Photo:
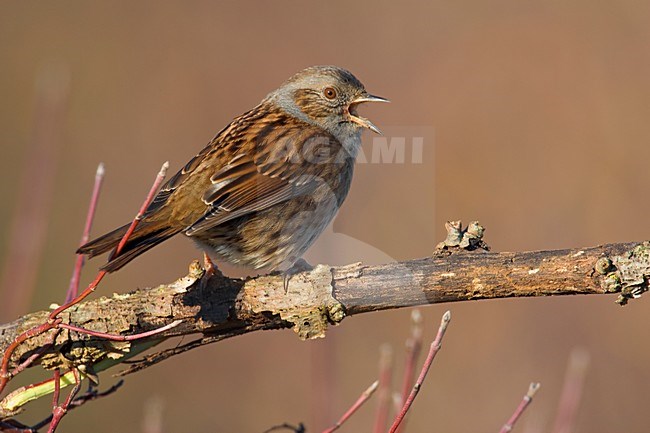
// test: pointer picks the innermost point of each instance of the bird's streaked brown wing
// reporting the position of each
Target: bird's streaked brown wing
(177, 180)
(280, 158)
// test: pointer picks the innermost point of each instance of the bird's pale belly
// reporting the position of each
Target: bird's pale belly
(272, 238)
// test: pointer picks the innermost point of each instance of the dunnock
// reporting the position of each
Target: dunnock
(262, 191)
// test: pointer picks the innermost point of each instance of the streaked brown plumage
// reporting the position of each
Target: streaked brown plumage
(262, 191)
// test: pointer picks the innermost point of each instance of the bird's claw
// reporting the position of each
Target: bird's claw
(299, 266)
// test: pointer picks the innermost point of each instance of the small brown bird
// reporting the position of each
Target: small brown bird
(262, 191)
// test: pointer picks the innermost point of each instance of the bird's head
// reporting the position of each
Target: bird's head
(327, 96)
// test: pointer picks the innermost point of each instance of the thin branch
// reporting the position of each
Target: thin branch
(152, 193)
(57, 389)
(532, 389)
(71, 294)
(413, 349)
(384, 394)
(357, 404)
(433, 351)
(113, 337)
(90, 216)
(60, 411)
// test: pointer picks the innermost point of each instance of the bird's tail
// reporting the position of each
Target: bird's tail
(145, 236)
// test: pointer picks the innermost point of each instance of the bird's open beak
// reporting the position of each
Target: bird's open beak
(362, 121)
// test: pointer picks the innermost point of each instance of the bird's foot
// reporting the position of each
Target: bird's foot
(209, 266)
(299, 266)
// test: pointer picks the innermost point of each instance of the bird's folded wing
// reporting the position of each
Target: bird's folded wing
(241, 190)
(282, 163)
(272, 157)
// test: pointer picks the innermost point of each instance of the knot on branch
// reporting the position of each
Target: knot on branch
(627, 274)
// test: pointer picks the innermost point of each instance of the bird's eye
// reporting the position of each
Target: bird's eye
(329, 92)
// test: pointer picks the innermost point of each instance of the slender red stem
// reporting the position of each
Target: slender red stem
(384, 394)
(114, 337)
(77, 380)
(59, 411)
(152, 193)
(357, 404)
(532, 389)
(57, 389)
(433, 350)
(413, 349)
(83, 295)
(73, 289)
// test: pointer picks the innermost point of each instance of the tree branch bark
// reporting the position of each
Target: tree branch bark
(216, 307)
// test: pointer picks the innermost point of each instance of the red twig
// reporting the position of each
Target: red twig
(143, 208)
(59, 411)
(92, 207)
(532, 389)
(433, 350)
(57, 389)
(357, 404)
(384, 394)
(53, 322)
(121, 337)
(571, 391)
(413, 349)
(73, 288)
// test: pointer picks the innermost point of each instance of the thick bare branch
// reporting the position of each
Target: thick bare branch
(218, 307)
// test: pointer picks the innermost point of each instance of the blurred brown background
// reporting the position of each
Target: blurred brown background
(534, 118)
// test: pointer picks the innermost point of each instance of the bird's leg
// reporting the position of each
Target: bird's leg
(209, 266)
(299, 266)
